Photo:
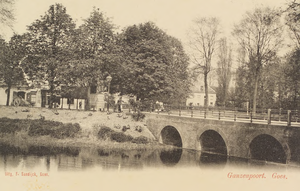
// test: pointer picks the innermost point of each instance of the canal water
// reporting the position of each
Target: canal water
(50, 166)
(80, 159)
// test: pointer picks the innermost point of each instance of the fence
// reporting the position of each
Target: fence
(269, 116)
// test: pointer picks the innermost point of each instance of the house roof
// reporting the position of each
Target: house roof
(200, 89)
(198, 86)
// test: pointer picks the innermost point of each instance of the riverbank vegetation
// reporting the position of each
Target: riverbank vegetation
(54, 133)
(27, 126)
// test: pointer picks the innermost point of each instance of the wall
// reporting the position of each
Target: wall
(3, 96)
(236, 135)
(198, 99)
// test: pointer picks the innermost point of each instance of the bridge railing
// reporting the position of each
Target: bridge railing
(275, 116)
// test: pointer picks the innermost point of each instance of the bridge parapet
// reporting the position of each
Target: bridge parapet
(233, 138)
(269, 116)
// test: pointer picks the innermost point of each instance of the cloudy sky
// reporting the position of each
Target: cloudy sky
(173, 16)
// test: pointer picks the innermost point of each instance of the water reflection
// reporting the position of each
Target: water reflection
(119, 159)
(79, 159)
(10, 150)
(211, 159)
(170, 157)
(6, 149)
(52, 151)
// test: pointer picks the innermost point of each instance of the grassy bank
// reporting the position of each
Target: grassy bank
(21, 139)
(41, 132)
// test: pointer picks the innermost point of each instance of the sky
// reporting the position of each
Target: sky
(173, 16)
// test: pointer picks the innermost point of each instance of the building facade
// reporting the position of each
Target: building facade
(197, 97)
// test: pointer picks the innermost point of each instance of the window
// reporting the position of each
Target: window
(93, 89)
(33, 98)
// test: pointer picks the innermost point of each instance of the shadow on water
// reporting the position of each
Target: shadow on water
(68, 158)
(120, 159)
(6, 149)
(170, 157)
(212, 160)
(52, 151)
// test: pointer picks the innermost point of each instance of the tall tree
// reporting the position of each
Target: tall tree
(203, 36)
(93, 48)
(241, 94)
(292, 77)
(224, 71)
(259, 35)
(292, 20)
(49, 39)
(268, 88)
(10, 57)
(6, 14)
(155, 64)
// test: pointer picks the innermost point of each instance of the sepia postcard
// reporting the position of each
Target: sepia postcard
(149, 95)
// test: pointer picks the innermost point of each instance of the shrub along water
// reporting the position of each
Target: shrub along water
(106, 133)
(59, 130)
(13, 125)
(39, 127)
(140, 140)
(120, 137)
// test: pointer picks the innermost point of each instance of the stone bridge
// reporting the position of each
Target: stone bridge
(275, 143)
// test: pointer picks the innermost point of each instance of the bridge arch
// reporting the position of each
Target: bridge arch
(268, 148)
(212, 141)
(169, 135)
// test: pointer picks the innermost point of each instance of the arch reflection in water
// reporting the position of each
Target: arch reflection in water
(211, 159)
(170, 157)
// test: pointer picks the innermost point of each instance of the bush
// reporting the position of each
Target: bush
(105, 132)
(12, 125)
(35, 130)
(66, 130)
(140, 140)
(120, 137)
(42, 127)
(138, 116)
(53, 128)
(39, 127)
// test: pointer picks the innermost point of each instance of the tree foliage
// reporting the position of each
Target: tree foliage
(224, 71)
(154, 64)
(10, 57)
(291, 89)
(93, 45)
(292, 20)
(48, 47)
(6, 14)
(259, 35)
